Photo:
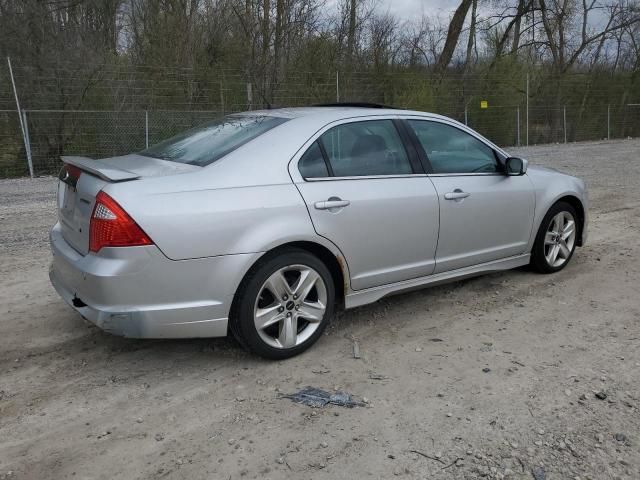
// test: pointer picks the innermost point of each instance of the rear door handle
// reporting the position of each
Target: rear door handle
(457, 194)
(331, 204)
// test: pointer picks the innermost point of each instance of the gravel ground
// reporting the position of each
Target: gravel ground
(494, 377)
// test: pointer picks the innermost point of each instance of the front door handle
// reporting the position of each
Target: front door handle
(457, 194)
(332, 204)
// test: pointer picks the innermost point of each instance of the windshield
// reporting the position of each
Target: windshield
(209, 142)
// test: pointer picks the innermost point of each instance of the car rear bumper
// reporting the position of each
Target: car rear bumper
(138, 292)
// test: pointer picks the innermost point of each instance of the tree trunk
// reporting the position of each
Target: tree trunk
(453, 34)
(277, 44)
(351, 35)
(472, 34)
(516, 28)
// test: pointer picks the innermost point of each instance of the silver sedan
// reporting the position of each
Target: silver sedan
(263, 223)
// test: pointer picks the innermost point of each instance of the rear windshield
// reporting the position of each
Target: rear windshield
(209, 142)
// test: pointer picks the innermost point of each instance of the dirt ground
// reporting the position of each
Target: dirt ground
(78, 403)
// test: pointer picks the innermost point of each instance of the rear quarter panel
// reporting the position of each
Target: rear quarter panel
(206, 222)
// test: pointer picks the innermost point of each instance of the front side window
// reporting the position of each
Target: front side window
(451, 150)
(210, 142)
(371, 147)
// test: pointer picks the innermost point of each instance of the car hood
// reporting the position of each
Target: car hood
(539, 168)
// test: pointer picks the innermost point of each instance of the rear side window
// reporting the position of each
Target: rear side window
(371, 147)
(451, 150)
(312, 164)
(210, 142)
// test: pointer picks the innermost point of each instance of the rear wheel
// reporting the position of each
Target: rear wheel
(556, 239)
(283, 305)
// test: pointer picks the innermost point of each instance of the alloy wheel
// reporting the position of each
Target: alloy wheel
(290, 306)
(560, 239)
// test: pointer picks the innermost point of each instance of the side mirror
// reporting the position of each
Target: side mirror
(515, 166)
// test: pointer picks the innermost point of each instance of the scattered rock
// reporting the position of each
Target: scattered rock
(486, 369)
(159, 437)
(538, 473)
(418, 349)
(620, 437)
(280, 460)
(567, 392)
(601, 395)
(356, 349)
(324, 444)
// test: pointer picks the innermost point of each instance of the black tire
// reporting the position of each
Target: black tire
(538, 260)
(241, 320)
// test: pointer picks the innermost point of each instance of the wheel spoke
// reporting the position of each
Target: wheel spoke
(549, 238)
(569, 230)
(563, 249)
(305, 284)
(277, 284)
(288, 332)
(559, 223)
(312, 312)
(553, 254)
(266, 317)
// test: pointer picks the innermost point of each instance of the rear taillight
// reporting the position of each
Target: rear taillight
(111, 226)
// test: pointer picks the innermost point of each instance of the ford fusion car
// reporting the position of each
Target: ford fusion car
(263, 223)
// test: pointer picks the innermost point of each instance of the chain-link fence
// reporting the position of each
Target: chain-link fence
(135, 108)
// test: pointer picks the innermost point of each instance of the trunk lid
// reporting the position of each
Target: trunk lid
(82, 178)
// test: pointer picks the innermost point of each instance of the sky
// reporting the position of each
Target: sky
(407, 9)
(414, 9)
(410, 9)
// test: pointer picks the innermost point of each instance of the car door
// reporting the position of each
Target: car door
(365, 191)
(485, 215)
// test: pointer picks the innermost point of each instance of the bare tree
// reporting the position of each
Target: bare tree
(453, 34)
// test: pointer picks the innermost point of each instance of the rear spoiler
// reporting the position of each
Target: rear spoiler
(100, 169)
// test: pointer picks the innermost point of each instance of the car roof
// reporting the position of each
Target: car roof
(329, 113)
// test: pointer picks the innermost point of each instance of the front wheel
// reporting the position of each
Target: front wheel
(556, 239)
(283, 305)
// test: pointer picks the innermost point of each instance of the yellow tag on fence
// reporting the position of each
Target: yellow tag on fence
(484, 104)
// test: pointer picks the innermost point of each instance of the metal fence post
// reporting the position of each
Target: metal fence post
(222, 98)
(466, 116)
(146, 129)
(527, 134)
(337, 86)
(25, 139)
(27, 143)
(249, 96)
(518, 125)
(564, 122)
(608, 122)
